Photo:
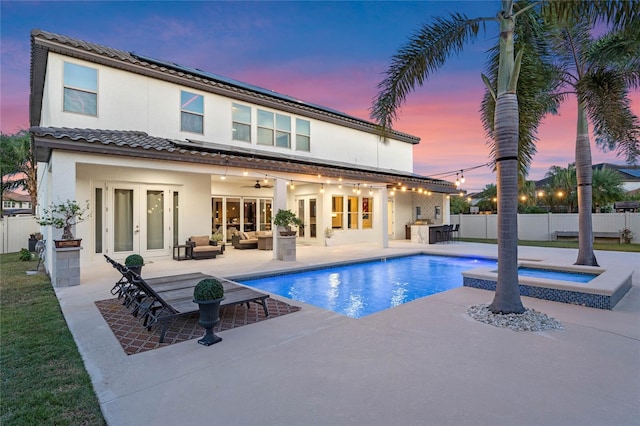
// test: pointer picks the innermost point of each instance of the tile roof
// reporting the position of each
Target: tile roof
(140, 144)
(211, 82)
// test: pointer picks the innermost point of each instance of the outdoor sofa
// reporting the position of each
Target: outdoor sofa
(249, 240)
(203, 248)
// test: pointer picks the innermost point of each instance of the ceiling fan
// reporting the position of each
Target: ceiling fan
(258, 185)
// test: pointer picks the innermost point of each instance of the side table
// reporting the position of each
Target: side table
(181, 252)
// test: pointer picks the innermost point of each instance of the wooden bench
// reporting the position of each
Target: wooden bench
(573, 235)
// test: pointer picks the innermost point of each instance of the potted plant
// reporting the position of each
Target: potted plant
(64, 216)
(134, 262)
(328, 233)
(208, 294)
(284, 219)
(217, 237)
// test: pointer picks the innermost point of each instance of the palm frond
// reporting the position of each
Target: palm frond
(417, 60)
(615, 13)
(616, 127)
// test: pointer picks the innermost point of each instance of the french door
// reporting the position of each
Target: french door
(308, 212)
(141, 219)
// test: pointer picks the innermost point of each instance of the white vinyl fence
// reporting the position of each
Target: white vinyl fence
(542, 227)
(15, 231)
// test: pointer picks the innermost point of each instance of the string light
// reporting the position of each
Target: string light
(322, 188)
(462, 176)
(457, 180)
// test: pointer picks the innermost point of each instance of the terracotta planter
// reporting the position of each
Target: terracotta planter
(67, 243)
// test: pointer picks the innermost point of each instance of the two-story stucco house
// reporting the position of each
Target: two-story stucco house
(162, 152)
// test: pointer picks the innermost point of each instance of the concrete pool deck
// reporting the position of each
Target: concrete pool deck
(424, 363)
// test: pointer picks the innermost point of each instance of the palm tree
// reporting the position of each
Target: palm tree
(413, 64)
(600, 73)
(607, 188)
(425, 53)
(563, 185)
(16, 158)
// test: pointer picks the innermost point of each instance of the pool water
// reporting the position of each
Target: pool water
(361, 289)
(575, 277)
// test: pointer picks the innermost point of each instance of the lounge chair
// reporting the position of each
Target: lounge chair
(160, 300)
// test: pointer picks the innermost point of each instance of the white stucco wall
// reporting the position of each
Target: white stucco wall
(128, 101)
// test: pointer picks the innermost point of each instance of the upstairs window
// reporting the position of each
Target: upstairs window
(80, 89)
(241, 126)
(283, 131)
(303, 135)
(191, 112)
(265, 127)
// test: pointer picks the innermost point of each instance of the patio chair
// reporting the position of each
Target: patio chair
(455, 232)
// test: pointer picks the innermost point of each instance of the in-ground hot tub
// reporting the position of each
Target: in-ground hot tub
(603, 291)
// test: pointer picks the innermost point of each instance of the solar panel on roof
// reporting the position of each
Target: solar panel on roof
(227, 80)
(632, 172)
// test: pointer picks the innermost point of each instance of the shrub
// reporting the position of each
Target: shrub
(208, 289)
(25, 255)
(134, 260)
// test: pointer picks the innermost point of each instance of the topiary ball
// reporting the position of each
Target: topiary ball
(134, 260)
(208, 289)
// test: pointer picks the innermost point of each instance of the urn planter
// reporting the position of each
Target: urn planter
(209, 317)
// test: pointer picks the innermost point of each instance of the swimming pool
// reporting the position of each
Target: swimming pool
(361, 289)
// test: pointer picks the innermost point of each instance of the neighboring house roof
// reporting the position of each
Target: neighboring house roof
(16, 196)
(42, 42)
(141, 145)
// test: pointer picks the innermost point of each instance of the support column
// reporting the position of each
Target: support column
(65, 271)
(279, 202)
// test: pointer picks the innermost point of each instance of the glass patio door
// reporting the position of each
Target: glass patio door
(308, 212)
(141, 220)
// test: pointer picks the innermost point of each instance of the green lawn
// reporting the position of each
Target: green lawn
(563, 244)
(43, 378)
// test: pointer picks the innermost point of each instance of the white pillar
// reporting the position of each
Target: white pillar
(279, 202)
(384, 199)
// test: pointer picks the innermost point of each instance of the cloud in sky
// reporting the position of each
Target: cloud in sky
(328, 53)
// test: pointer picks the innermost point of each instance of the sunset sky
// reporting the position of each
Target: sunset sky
(328, 53)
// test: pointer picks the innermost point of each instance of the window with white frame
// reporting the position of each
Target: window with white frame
(337, 211)
(283, 131)
(353, 212)
(303, 135)
(367, 212)
(265, 127)
(191, 112)
(241, 127)
(80, 89)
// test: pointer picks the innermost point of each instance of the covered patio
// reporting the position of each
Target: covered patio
(424, 362)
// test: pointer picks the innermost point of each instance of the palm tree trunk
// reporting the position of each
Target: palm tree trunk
(584, 175)
(507, 298)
